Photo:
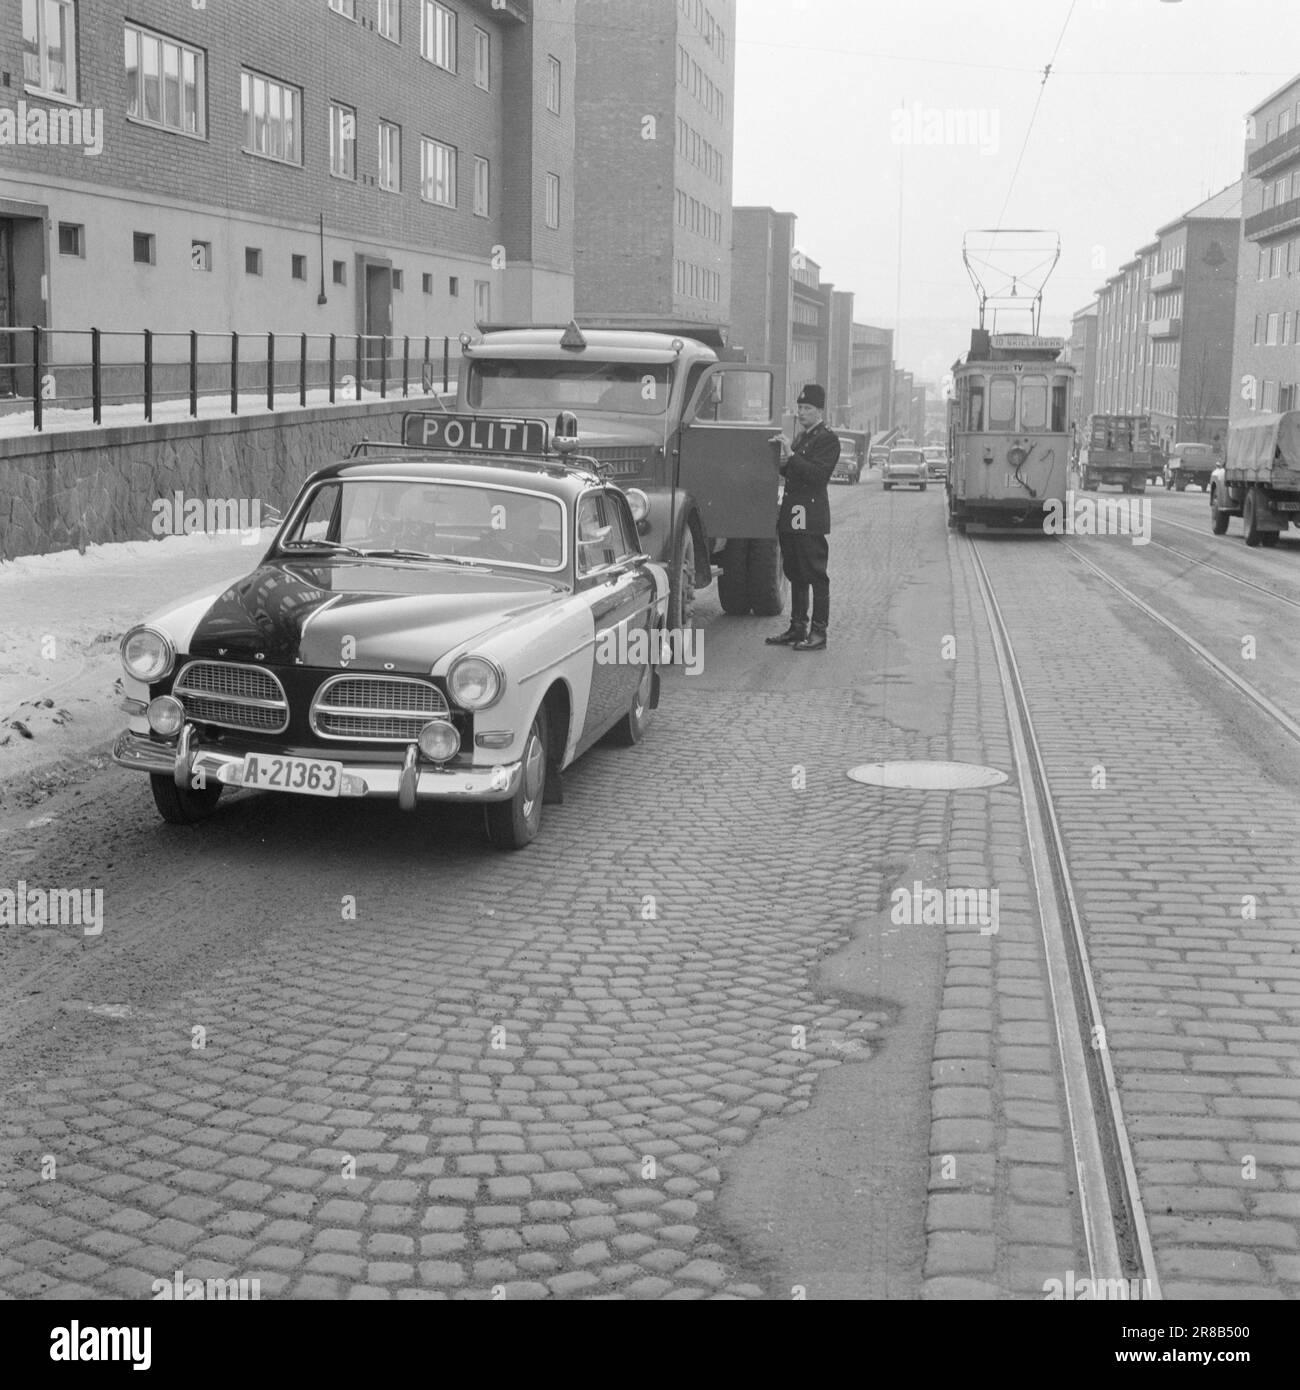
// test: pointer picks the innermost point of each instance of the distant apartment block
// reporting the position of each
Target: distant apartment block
(348, 166)
(1266, 339)
(1164, 325)
(872, 374)
(655, 119)
(1083, 358)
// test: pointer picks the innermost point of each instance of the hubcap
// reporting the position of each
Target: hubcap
(534, 767)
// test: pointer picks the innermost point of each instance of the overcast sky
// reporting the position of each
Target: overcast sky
(1141, 117)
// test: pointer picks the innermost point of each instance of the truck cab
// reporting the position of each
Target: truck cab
(688, 435)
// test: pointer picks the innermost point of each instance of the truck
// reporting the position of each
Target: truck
(1118, 449)
(688, 435)
(1260, 478)
(1190, 463)
(853, 454)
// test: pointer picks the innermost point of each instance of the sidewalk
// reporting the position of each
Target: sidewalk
(61, 617)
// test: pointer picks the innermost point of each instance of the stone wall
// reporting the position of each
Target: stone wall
(68, 490)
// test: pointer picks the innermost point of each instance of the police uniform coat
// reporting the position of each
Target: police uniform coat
(807, 472)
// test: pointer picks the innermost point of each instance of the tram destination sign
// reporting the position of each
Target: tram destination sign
(474, 434)
(1026, 342)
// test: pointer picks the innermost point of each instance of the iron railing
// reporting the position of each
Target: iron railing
(40, 372)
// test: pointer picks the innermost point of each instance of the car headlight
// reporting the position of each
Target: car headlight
(147, 655)
(475, 682)
(639, 502)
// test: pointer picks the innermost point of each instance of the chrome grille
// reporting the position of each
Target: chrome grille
(234, 697)
(376, 709)
(622, 461)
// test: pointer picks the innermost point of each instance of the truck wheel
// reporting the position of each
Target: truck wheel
(183, 805)
(681, 594)
(1250, 518)
(766, 580)
(733, 582)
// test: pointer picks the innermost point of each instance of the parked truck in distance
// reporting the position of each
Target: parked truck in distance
(689, 437)
(1190, 463)
(1260, 481)
(1118, 450)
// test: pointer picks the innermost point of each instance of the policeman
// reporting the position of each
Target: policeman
(805, 520)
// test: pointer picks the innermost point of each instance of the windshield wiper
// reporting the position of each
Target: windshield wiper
(418, 555)
(321, 545)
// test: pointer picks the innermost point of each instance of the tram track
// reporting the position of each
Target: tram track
(1118, 1241)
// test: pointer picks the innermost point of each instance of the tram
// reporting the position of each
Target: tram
(1009, 428)
(1009, 431)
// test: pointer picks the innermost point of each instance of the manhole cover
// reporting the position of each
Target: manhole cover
(923, 776)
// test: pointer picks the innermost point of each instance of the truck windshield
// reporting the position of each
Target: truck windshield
(622, 388)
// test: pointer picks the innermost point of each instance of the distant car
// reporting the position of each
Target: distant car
(878, 456)
(849, 467)
(425, 627)
(936, 461)
(904, 466)
(1190, 463)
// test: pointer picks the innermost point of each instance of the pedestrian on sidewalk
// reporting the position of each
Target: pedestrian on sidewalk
(805, 521)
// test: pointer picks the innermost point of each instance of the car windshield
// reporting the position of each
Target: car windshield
(907, 456)
(462, 523)
(580, 385)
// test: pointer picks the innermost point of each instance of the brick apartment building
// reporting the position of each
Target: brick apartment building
(655, 121)
(871, 400)
(782, 313)
(1082, 356)
(1165, 322)
(432, 141)
(1266, 339)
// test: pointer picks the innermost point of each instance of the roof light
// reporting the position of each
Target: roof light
(573, 341)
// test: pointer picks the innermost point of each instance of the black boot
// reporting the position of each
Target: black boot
(796, 632)
(815, 641)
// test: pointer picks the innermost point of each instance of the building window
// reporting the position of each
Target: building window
(453, 286)
(272, 118)
(552, 200)
(390, 157)
(50, 47)
(398, 280)
(1270, 331)
(298, 267)
(438, 35)
(426, 282)
(142, 247)
(1274, 262)
(347, 8)
(437, 172)
(164, 82)
(1261, 268)
(200, 255)
(343, 141)
(1286, 330)
(553, 84)
(72, 239)
(340, 272)
(482, 58)
(482, 182)
(482, 301)
(252, 260)
(389, 19)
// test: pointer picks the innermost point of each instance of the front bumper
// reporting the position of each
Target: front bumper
(407, 782)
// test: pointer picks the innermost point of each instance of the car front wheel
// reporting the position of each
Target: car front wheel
(183, 805)
(513, 824)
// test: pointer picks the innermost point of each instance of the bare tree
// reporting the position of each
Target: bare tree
(1204, 400)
